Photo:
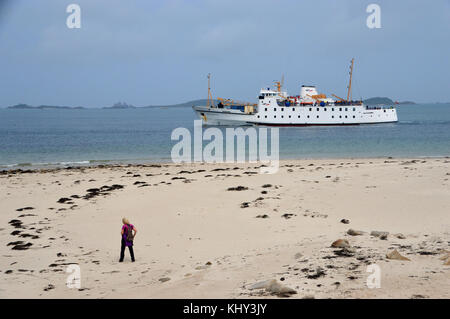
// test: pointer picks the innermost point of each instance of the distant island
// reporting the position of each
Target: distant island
(43, 107)
(124, 105)
(378, 101)
(120, 105)
(384, 101)
(186, 104)
(406, 102)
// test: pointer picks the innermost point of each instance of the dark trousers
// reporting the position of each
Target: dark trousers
(122, 251)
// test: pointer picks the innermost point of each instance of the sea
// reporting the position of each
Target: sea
(59, 137)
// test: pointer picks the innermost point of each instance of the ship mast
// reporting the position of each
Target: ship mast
(210, 99)
(350, 82)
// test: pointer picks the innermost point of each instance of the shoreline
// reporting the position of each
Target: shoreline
(217, 230)
(37, 168)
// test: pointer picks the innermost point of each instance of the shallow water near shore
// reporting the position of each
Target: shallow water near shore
(30, 138)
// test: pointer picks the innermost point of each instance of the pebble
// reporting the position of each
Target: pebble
(164, 279)
(274, 287)
(353, 232)
(380, 234)
(340, 243)
(395, 255)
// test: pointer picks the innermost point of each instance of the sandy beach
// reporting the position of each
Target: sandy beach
(214, 231)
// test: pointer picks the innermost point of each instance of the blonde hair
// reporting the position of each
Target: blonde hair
(125, 220)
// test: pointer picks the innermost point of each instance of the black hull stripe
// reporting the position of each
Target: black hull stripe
(312, 124)
(218, 112)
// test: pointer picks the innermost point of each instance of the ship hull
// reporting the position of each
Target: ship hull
(298, 116)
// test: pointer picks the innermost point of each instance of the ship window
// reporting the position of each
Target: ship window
(258, 116)
(325, 109)
(293, 109)
(340, 116)
(317, 109)
(265, 116)
(282, 116)
(265, 109)
(310, 109)
(299, 116)
(332, 109)
(353, 116)
(317, 116)
(289, 116)
(354, 109)
(346, 109)
(275, 109)
(274, 116)
(308, 116)
(384, 111)
(332, 117)
(282, 109)
(340, 109)
(346, 116)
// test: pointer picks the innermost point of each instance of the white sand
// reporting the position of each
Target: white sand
(182, 226)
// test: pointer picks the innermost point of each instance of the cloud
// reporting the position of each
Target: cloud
(155, 52)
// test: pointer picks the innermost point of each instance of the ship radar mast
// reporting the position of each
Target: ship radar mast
(349, 92)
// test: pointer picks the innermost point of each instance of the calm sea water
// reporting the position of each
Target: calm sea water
(69, 137)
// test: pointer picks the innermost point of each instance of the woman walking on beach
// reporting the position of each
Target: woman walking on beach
(127, 239)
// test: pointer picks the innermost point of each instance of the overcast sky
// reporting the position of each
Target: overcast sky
(159, 52)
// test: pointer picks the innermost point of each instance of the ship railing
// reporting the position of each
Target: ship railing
(318, 104)
(380, 107)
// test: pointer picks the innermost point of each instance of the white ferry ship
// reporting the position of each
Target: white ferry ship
(276, 108)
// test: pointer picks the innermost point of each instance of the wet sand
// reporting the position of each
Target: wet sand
(214, 231)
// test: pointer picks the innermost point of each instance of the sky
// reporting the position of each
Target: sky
(149, 52)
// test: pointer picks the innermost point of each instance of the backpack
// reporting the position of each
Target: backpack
(130, 235)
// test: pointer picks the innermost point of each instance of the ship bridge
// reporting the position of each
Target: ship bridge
(268, 93)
